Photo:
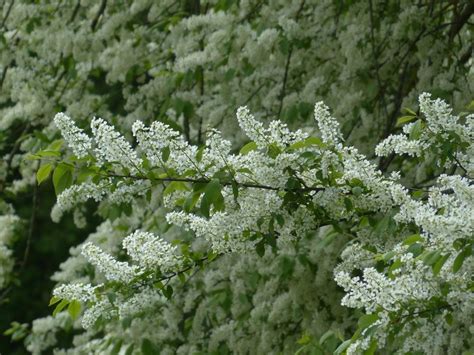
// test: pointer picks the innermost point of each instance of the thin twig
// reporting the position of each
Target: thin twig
(7, 14)
(205, 181)
(31, 228)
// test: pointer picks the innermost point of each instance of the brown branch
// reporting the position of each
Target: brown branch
(461, 20)
(205, 181)
(381, 88)
(287, 66)
(4, 74)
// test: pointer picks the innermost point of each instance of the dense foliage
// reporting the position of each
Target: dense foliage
(201, 229)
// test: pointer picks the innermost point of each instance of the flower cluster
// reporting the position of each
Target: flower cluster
(77, 140)
(150, 251)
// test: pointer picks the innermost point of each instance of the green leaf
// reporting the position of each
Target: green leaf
(273, 150)
(305, 339)
(53, 300)
(129, 350)
(55, 145)
(148, 348)
(74, 309)
(205, 206)
(432, 257)
(457, 264)
(328, 239)
(43, 172)
(342, 347)
(213, 194)
(357, 191)
(367, 320)
(60, 307)
(117, 346)
(439, 264)
(175, 186)
(248, 148)
(165, 153)
(260, 248)
(191, 201)
(235, 190)
(200, 153)
(326, 336)
(62, 178)
(404, 119)
(372, 348)
(416, 249)
(167, 291)
(416, 130)
(48, 153)
(409, 111)
(412, 239)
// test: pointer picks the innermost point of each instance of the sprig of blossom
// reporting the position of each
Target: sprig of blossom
(112, 269)
(77, 140)
(151, 251)
(112, 146)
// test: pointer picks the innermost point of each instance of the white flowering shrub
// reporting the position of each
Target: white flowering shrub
(205, 242)
(402, 254)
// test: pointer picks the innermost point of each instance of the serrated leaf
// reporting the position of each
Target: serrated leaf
(43, 172)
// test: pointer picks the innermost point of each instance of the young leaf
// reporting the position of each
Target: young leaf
(248, 148)
(368, 319)
(74, 309)
(43, 172)
(62, 178)
(60, 307)
(404, 119)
